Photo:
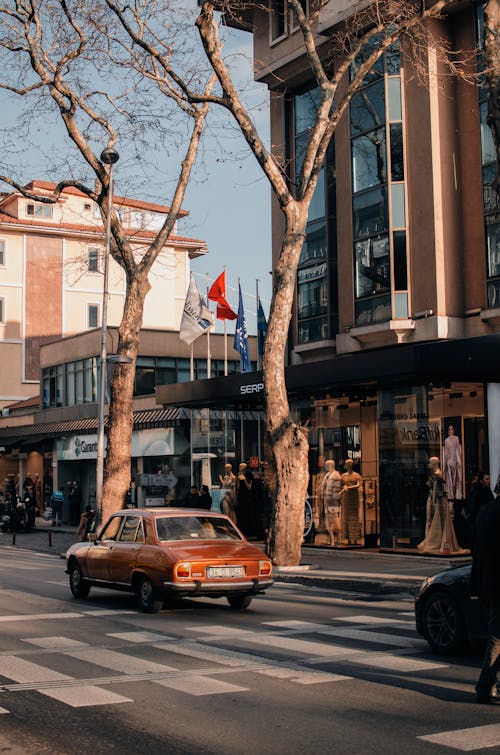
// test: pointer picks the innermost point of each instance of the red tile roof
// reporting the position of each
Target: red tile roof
(128, 201)
(92, 230)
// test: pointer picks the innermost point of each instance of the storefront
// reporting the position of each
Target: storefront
(388, 411)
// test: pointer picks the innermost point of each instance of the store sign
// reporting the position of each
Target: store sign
(158, 441)
(252, 388)
(418, 433)
(311, 273)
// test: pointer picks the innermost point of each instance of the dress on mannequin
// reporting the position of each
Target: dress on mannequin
(439, 531)
(350, 497)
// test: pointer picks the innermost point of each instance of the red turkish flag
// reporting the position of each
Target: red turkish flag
(217, 293)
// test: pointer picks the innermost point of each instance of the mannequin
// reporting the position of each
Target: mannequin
(228, 483)
(330, 500)
(453, 465)
(439, 532)
(351, 493)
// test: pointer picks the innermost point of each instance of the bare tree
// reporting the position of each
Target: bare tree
(54, 55)
(339, 65)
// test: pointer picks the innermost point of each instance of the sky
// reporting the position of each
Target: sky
(228, 198)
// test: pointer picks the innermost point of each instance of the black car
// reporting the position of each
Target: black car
(446, 615)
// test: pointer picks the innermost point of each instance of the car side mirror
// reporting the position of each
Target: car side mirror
(92, 537)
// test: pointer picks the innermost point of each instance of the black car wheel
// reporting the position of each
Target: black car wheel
(147, 598)
(443, 624)
(78, 585)
(239, 602)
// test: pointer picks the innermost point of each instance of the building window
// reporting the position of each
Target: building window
(87, 207)
(317, 296)
(491, 202)
(39, 210)
(2, 311)
(378, 203)
(93, 260)
(3, 245)
(278, 16)
(93, 316)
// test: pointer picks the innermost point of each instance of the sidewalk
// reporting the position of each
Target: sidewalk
(359, 571)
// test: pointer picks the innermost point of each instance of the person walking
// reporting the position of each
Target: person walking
(485, 583)
(86, 520)
(57, 502)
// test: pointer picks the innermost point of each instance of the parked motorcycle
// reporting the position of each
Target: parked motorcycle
(8, 515)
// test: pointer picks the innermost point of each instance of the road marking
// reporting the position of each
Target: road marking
(40, 616)
(125, 664)
(467, 740)
(372, 620)
(59, 688)
(140, 636)
(105, 612)
(200, 685)
(54, 643)
(258, 664)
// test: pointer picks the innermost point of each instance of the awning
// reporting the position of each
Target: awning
(143, 419)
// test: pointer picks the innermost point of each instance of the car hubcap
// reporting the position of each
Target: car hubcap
(146, 591)
(76, 579)
(441, 622)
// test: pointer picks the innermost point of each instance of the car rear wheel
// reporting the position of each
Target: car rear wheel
(443, 624)
(147, 598)
(239, 602)
(78, 585)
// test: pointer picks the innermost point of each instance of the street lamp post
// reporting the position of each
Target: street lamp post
(109, 157)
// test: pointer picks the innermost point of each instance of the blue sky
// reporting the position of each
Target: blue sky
(228, 198)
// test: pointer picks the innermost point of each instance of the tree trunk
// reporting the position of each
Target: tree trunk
(288, 440)
(117, 472)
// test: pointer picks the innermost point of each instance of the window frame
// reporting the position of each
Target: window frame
(3, 252)
(90, 256)
(272, 17)
(3, 318)
(48, 210)
(97, 306)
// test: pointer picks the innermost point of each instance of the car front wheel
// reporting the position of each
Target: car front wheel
(78, 585)
(239, 602)
(443, 624)
(147, 598)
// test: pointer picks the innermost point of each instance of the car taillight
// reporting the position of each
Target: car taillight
(183, 571)
(265, 568)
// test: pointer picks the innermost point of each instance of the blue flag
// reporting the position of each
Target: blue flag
(261, 328)
(241, 337)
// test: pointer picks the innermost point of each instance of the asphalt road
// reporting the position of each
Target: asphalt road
(302, 671)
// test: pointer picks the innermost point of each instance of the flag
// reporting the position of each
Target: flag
(261, 328)
(217, 293)
(196, 317)
(241, 337)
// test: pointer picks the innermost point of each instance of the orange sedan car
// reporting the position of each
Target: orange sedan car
(160, 553)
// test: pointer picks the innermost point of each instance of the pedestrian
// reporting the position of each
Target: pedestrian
(192, 500)
(485, 583)
(244, 501)
(205, 501)
(57, 502)
(86, 520)
(481, 495)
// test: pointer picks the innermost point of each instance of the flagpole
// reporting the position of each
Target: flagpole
(225, 334)
(257, 320)
(191, 363)
(209, 359)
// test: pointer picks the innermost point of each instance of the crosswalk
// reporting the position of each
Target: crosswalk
(217, 659)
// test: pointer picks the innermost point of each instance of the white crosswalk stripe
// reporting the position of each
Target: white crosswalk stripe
(467, 740)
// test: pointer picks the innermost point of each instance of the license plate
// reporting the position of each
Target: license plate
(224, 571)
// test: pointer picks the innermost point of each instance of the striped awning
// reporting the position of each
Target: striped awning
(143, 419)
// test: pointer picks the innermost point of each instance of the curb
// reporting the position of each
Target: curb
(366, 586)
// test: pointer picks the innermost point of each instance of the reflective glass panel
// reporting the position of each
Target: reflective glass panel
(369, 160)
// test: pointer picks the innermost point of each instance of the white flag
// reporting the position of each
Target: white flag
(196, 318)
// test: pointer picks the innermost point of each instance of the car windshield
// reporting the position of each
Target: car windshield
(196, 527)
